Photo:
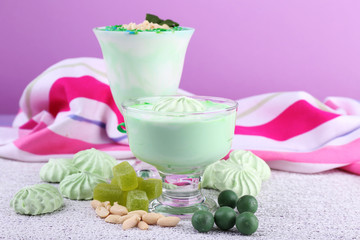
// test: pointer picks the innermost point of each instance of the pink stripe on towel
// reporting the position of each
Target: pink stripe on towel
(45, 142)
(343, 154)
(297, 119)
(68, 88)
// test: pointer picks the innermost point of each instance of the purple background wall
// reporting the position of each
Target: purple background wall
(240, 48)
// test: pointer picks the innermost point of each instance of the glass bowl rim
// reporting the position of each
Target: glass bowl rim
(233, 106)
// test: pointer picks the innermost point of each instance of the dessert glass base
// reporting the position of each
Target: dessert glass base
(145, 170)
(181, 196)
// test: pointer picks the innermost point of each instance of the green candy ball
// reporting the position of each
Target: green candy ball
(227, 198)
(225, 218)
(247, 223)
(202, 220)
(247, 203)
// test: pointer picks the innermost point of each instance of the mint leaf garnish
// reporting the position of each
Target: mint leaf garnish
(155, 19)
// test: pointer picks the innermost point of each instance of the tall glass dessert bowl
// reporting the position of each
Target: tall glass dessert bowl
(141, 64)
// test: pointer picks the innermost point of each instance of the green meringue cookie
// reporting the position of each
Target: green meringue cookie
(37, 199)
(178, 104)
(248, 159)
(95, 161)
(243, 181)
(57, 169)
(208, 180)
(243, 173)
(229, 175)
(80, 186)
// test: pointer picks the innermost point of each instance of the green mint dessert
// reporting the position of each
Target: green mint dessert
(179, 134)
(37, 199)
(179, 104)
(144, 59)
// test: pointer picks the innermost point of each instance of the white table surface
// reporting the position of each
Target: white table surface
(291, 206)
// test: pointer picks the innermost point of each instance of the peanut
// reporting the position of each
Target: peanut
(107, 205)
(102, 212)
(118, 209)
(151, 218)
(95, 203)
(130, 223)
(122, 219)
(113, 219)
(134, 214)
(143, 225)
(140, 212)
(144, 26)
(168, 221)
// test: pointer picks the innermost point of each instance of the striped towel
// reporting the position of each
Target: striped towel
(69, 108)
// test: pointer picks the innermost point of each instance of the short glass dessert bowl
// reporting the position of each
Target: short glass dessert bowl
(180, 136)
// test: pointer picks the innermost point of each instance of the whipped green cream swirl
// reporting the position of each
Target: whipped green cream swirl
(178, 104)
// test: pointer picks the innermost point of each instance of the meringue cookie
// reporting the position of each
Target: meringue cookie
(248, 159)
(80, 186)
(37, 199)
(95, 161)
(225, 174)
(57, 169)
(243, 181)
(179, 104)
(243, 173)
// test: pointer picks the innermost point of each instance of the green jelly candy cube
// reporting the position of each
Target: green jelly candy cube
(123, 199)
(152, 187)
(137, 200)
(125, 176)
(114, 181)
(110, 192)
(140, 180)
